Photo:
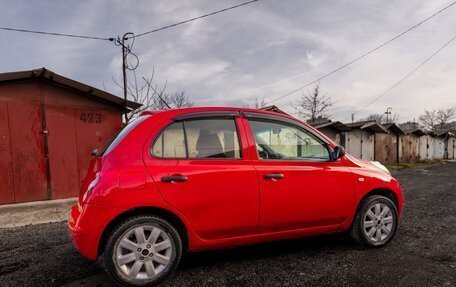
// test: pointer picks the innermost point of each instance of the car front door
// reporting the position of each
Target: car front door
(300, 187)
(201, 168)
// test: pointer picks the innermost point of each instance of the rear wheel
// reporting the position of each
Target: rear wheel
(142, 251)
(375, 222)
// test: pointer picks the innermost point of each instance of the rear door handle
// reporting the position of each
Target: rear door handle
(273, 176)
(174, 178)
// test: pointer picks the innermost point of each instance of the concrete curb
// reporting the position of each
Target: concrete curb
(38, 212)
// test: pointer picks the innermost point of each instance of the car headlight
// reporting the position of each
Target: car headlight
(381, 166)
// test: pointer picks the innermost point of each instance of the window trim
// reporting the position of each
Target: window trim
(290, 123)
(200, 117)
(207, 114)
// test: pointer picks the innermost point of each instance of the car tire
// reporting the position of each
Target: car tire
(142, 251)
(375, 222)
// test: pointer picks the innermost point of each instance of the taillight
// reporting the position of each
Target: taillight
(91, 186)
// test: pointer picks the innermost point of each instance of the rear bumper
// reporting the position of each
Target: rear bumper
(86, 226)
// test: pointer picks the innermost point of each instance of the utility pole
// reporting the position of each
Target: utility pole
(125, 51)
(124, 74)
(388, 113)
(353, 118)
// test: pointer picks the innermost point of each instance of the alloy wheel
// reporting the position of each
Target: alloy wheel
(143, 252)
(378, 222)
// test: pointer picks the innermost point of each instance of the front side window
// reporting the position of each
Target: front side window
(275, 140)
(203, 138)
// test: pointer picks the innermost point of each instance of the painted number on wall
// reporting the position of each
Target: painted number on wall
(91, 118)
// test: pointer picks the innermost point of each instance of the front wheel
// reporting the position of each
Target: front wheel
(375, 222)
(142, 251)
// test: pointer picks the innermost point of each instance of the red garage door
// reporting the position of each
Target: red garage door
(6, 164)
(45, 150)
(27, 152)
(62, 152)
(93, 129)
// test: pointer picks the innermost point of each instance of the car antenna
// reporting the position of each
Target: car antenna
(158, 94)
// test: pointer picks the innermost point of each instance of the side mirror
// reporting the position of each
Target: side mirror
(94, 152)
(338, 152)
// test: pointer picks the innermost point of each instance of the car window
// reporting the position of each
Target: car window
(276, 140)
(212, 138)
(171, 142)
(121, 134)
(203, 138)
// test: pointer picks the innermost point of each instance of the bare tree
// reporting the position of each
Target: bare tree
(429, 120)
(179, 100)
(378, 118)
(256, 104)
(436, 120)
(444, 117)
(313, 105)
(381, 119)
(152, 96)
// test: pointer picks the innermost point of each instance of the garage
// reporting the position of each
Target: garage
(49, 124)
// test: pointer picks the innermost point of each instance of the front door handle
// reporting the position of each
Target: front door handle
(174, 178)
(273, 176)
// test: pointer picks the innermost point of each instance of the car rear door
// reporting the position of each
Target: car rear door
(299, 186)
(201, 166)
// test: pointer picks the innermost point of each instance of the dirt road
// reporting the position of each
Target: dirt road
(422, 254)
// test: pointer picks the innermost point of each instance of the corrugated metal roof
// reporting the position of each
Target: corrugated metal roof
(394, 128)
(45, 74)
(418, 132)
(372, 126)
(330, 124)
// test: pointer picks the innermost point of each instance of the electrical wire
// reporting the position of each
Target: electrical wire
(406, 76)
(56, 34)
(112, 39)
(363, 55)
(128, 49)
(196, 18)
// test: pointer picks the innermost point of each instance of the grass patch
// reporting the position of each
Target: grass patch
(423, 163)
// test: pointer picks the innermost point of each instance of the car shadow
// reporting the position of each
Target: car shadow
(307, 247)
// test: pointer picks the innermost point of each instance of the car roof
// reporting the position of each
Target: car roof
(182, 111)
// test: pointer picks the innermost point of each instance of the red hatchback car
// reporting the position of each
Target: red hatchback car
(208, 178)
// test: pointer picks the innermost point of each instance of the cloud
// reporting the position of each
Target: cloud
(262, 50)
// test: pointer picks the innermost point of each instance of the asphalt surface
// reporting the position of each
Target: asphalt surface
(422, 254)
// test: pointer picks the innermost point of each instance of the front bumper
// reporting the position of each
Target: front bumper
(87, 224)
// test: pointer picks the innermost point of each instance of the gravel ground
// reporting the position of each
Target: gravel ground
(422, 254)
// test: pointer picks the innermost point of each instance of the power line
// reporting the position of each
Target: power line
(55, 34)
(406, 76)
(363, 55)
(112, 39)
(196, 18)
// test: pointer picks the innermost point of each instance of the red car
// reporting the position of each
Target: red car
(209, 178)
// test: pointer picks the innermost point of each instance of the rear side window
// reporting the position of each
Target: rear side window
(201, 138)
(117, 138)
(171, 142)
(212, 138)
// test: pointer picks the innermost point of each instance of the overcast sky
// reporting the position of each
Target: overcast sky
(262, 50)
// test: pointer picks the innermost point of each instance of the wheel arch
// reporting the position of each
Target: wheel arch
(145, 210)
(388, 193)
